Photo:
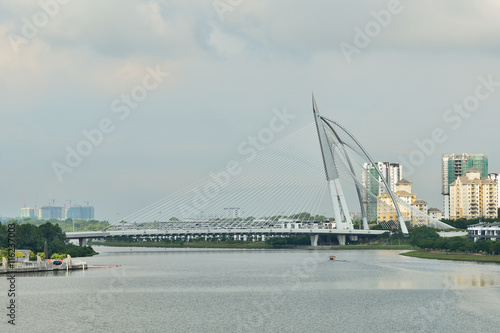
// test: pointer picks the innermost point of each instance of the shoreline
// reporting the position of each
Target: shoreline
(481, 258)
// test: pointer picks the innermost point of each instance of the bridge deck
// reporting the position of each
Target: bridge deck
(257, 231)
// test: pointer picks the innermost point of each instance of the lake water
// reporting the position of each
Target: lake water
(193, 290)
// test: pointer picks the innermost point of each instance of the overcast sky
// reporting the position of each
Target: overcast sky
(205, 75)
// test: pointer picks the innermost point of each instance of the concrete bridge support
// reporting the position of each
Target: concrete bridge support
(82, 241)
(354, 238)
(341, 239)
(314, 240)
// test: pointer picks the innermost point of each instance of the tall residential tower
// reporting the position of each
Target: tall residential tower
(392, 172)
(456, 165)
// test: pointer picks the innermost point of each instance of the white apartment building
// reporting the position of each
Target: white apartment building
(487, 231)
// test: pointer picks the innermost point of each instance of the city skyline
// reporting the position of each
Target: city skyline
(127, 121)
(391, 171)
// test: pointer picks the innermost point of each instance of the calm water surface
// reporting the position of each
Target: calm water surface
(192, 290)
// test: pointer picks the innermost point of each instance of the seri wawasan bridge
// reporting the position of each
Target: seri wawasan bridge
(267, 194)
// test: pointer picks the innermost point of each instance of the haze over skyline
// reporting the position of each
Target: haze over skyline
(167, 92)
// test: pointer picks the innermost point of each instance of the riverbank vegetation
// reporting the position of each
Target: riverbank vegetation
(191, 244)
(431, 246)
(211, 242)
(464, 223)
(47, 239)
(66, 225)
(453, 256)
(427, 239)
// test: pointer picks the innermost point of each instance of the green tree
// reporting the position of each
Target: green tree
(29, 236)
(423, 233)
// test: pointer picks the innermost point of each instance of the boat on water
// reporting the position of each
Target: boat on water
(332, 257)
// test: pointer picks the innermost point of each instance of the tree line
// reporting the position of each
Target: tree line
(67, 225)
(428, 238)
(47, 238)
(464, 223)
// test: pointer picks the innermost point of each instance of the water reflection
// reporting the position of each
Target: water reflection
(56, 273)
(472, 279)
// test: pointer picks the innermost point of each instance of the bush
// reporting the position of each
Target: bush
(58, 256)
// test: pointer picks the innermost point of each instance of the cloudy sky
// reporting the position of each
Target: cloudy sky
(176, 87)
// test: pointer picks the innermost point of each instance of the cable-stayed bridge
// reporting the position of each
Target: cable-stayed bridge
(280, 189)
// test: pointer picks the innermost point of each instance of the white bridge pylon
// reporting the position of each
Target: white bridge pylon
(333, 150)
(340, 209)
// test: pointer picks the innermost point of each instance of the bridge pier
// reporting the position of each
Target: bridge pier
(314, 240)
(82, 242)
(354, 238)
(341, 239)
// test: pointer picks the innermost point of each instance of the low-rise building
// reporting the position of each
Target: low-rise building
(385, 207)
(435, 213)
(487, 231)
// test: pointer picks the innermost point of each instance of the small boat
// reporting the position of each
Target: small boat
(332, 257)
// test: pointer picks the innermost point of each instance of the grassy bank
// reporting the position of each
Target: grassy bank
(454, 256)
(198, 244)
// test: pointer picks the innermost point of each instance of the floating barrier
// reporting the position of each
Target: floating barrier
(103, 266)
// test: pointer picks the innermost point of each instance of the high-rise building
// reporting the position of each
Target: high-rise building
(473, 196)
(456, 165)
(27, 213)
(495, 177)
(80, 212)
(50, 212)
(392, 172)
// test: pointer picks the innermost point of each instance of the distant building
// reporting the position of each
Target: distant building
(80, 213)
(456, 165)
(435, 213)
(385, 208)
(392, 173)
(473, 196)
(231, 213)
(28, 213)
(51, 212)
(495, 177)
(487, 231)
